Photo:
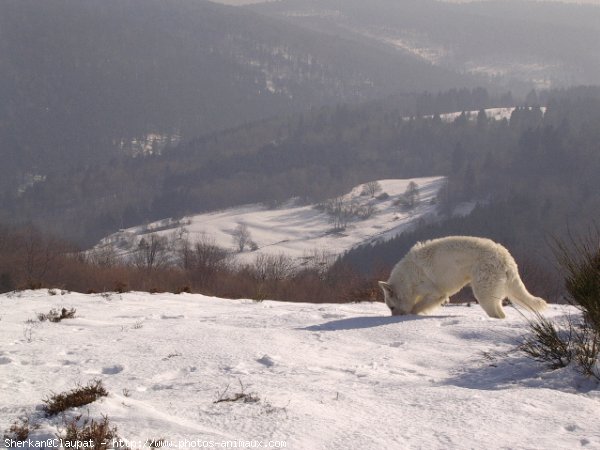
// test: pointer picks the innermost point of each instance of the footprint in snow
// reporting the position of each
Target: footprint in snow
(112, 370)
(5, 360)
(171, 317)
(449, 323)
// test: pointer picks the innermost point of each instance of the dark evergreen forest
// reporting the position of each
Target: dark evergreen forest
(534, 179)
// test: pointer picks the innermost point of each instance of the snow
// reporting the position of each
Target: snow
(297, 231)
(491, 113)
(150, 144)
(325, 376)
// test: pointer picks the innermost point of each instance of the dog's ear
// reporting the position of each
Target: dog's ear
(386, 288)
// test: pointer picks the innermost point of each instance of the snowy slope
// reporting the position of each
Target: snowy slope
(491, 113)
(326, 376)
(294, 230)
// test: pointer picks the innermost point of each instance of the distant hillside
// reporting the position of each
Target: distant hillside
(316, 155)
(533, 174)
(514, 43)
(84, 81)
(300, 232)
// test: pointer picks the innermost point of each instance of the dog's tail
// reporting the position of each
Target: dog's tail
(518, 293)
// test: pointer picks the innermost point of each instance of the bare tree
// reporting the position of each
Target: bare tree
(152, 252)
(318, 260)
(339, 212)
(273, 267)
(203, 259)
(241, 236)
(372, 188)
(40, 254)
(105, 256)
(411, 197)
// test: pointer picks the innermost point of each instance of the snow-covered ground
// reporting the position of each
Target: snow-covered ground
(298, 231)
(323, 376)
(491, 113)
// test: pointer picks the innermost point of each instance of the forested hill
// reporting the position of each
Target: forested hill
(542, 167)
(80, 80)
(549, 44)
(534, 181)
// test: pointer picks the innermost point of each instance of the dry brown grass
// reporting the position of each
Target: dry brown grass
(98, 434)
(80, 396)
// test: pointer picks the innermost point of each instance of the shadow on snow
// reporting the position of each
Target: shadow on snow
(355, 323)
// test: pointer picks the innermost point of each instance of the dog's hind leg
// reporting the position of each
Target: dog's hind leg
(490, 299)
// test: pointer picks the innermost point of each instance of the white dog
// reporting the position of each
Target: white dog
(432, 271)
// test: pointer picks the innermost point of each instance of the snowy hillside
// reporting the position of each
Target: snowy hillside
(491, 113)
(314, 376)
(298, 231)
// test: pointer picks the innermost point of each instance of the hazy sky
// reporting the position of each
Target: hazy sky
(245, 2)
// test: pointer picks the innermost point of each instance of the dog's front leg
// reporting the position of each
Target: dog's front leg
(428, 303)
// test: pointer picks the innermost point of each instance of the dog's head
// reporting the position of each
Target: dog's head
(393, 300)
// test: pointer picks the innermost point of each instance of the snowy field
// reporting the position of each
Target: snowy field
(491, 113)
(298, 231)
(322, 376)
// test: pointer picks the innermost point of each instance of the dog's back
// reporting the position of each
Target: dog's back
(437, 269)
(452, 262)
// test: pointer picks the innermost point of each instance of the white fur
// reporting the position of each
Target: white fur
(432, 271)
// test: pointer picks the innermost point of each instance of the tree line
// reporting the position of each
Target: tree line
(31, 259)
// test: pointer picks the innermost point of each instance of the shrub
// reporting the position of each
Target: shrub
(80, 396)
(98, 433)
(121, 287)
(587, 345)
(241, 396)
(579, 341)
(548, 343)
(20, 429)
(54, 316)
(582, 264)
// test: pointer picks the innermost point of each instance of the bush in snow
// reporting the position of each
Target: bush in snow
(99, 433)
(579, 339)
(80, 396)
(549, 342)
(20, 429)
(55, 316)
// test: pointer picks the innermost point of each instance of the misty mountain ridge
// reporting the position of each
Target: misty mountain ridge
(544, 45)
(81, 81)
